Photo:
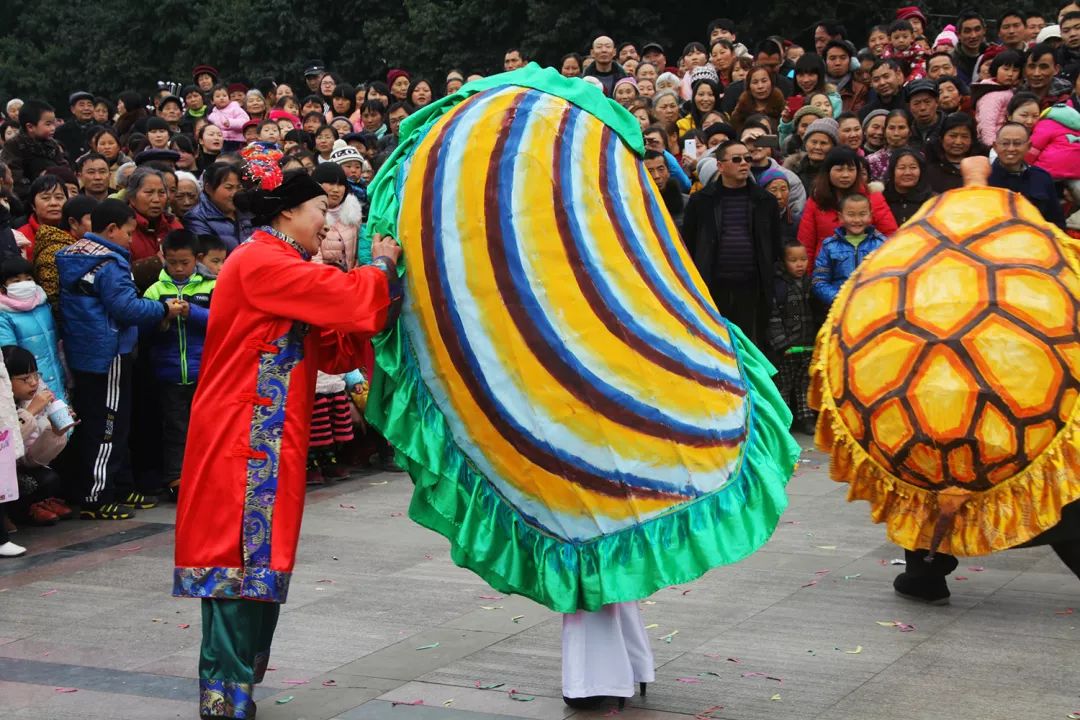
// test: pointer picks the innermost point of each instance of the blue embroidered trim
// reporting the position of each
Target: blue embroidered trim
(226, 699)
(267, 426)
(208, 582)
(231, 583)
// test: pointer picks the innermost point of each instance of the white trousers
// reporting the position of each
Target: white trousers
(605, 652)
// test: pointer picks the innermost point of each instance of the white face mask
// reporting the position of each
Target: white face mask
(22, 290)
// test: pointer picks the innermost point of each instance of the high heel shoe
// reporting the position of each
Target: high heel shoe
(644, 688)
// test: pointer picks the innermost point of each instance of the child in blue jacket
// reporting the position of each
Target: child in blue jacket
(26, 320)
(101, 313)
(845, 249)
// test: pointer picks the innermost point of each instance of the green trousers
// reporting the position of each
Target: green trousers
(236, 636)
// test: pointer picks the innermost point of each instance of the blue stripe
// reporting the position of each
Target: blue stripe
(667, 243)
(630, 231)
(532, 306)
(437, 191)
(596, 271)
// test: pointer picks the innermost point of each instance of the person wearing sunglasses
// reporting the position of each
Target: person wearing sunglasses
(732, 229)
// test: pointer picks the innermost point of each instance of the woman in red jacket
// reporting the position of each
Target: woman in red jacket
(839, 176)
(148, 196)
(271, 328)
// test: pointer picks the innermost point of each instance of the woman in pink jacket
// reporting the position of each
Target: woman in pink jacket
(343, 217)
(230, 117)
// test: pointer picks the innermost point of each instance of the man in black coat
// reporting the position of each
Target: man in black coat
(732, 230)
(75, 134)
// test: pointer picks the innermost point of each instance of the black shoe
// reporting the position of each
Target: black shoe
(807, 427)
(585, 703)
(139, 501)
(932, 590)
(644, 687)
(106, 511)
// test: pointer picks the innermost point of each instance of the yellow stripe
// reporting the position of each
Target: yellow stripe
(608, 353)
(555, 492)
(601, 233)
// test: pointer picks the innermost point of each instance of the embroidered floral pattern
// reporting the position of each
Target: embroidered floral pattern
(226, 699)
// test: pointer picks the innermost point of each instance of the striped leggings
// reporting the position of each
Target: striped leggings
(331, 421)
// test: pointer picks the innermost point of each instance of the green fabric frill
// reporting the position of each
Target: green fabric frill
(486, 533)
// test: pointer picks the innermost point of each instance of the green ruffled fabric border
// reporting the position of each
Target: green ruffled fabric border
(486, 533)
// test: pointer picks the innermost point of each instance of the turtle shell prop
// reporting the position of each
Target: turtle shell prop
(577, 418)
(947, 375)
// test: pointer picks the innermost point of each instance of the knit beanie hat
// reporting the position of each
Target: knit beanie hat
(343, 153)
(706, 72)
(826, 126)
(624, 81)
(773, 173)
(911, 11)
(947, 37)
(807, 110)
(871, 115)
(395, 73)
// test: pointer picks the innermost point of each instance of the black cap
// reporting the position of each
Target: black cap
(314, 67)
(295, 189)
(652, 46)
(921, 85)
(79, 95)
(171, 98)
(146, 156)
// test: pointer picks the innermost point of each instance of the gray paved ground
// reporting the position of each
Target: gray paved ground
(88, 630)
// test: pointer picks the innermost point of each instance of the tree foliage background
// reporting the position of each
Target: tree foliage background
(107, 46)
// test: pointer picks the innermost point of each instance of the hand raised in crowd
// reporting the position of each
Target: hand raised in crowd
(385, 246)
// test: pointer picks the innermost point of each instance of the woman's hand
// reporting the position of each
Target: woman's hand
(385, 246)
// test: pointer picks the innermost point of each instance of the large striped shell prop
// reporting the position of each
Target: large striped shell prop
(948, 372)
(578, 419)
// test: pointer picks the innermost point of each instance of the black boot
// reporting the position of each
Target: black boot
(924, 581)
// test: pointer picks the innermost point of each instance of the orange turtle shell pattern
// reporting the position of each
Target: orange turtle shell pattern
(951, 362)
